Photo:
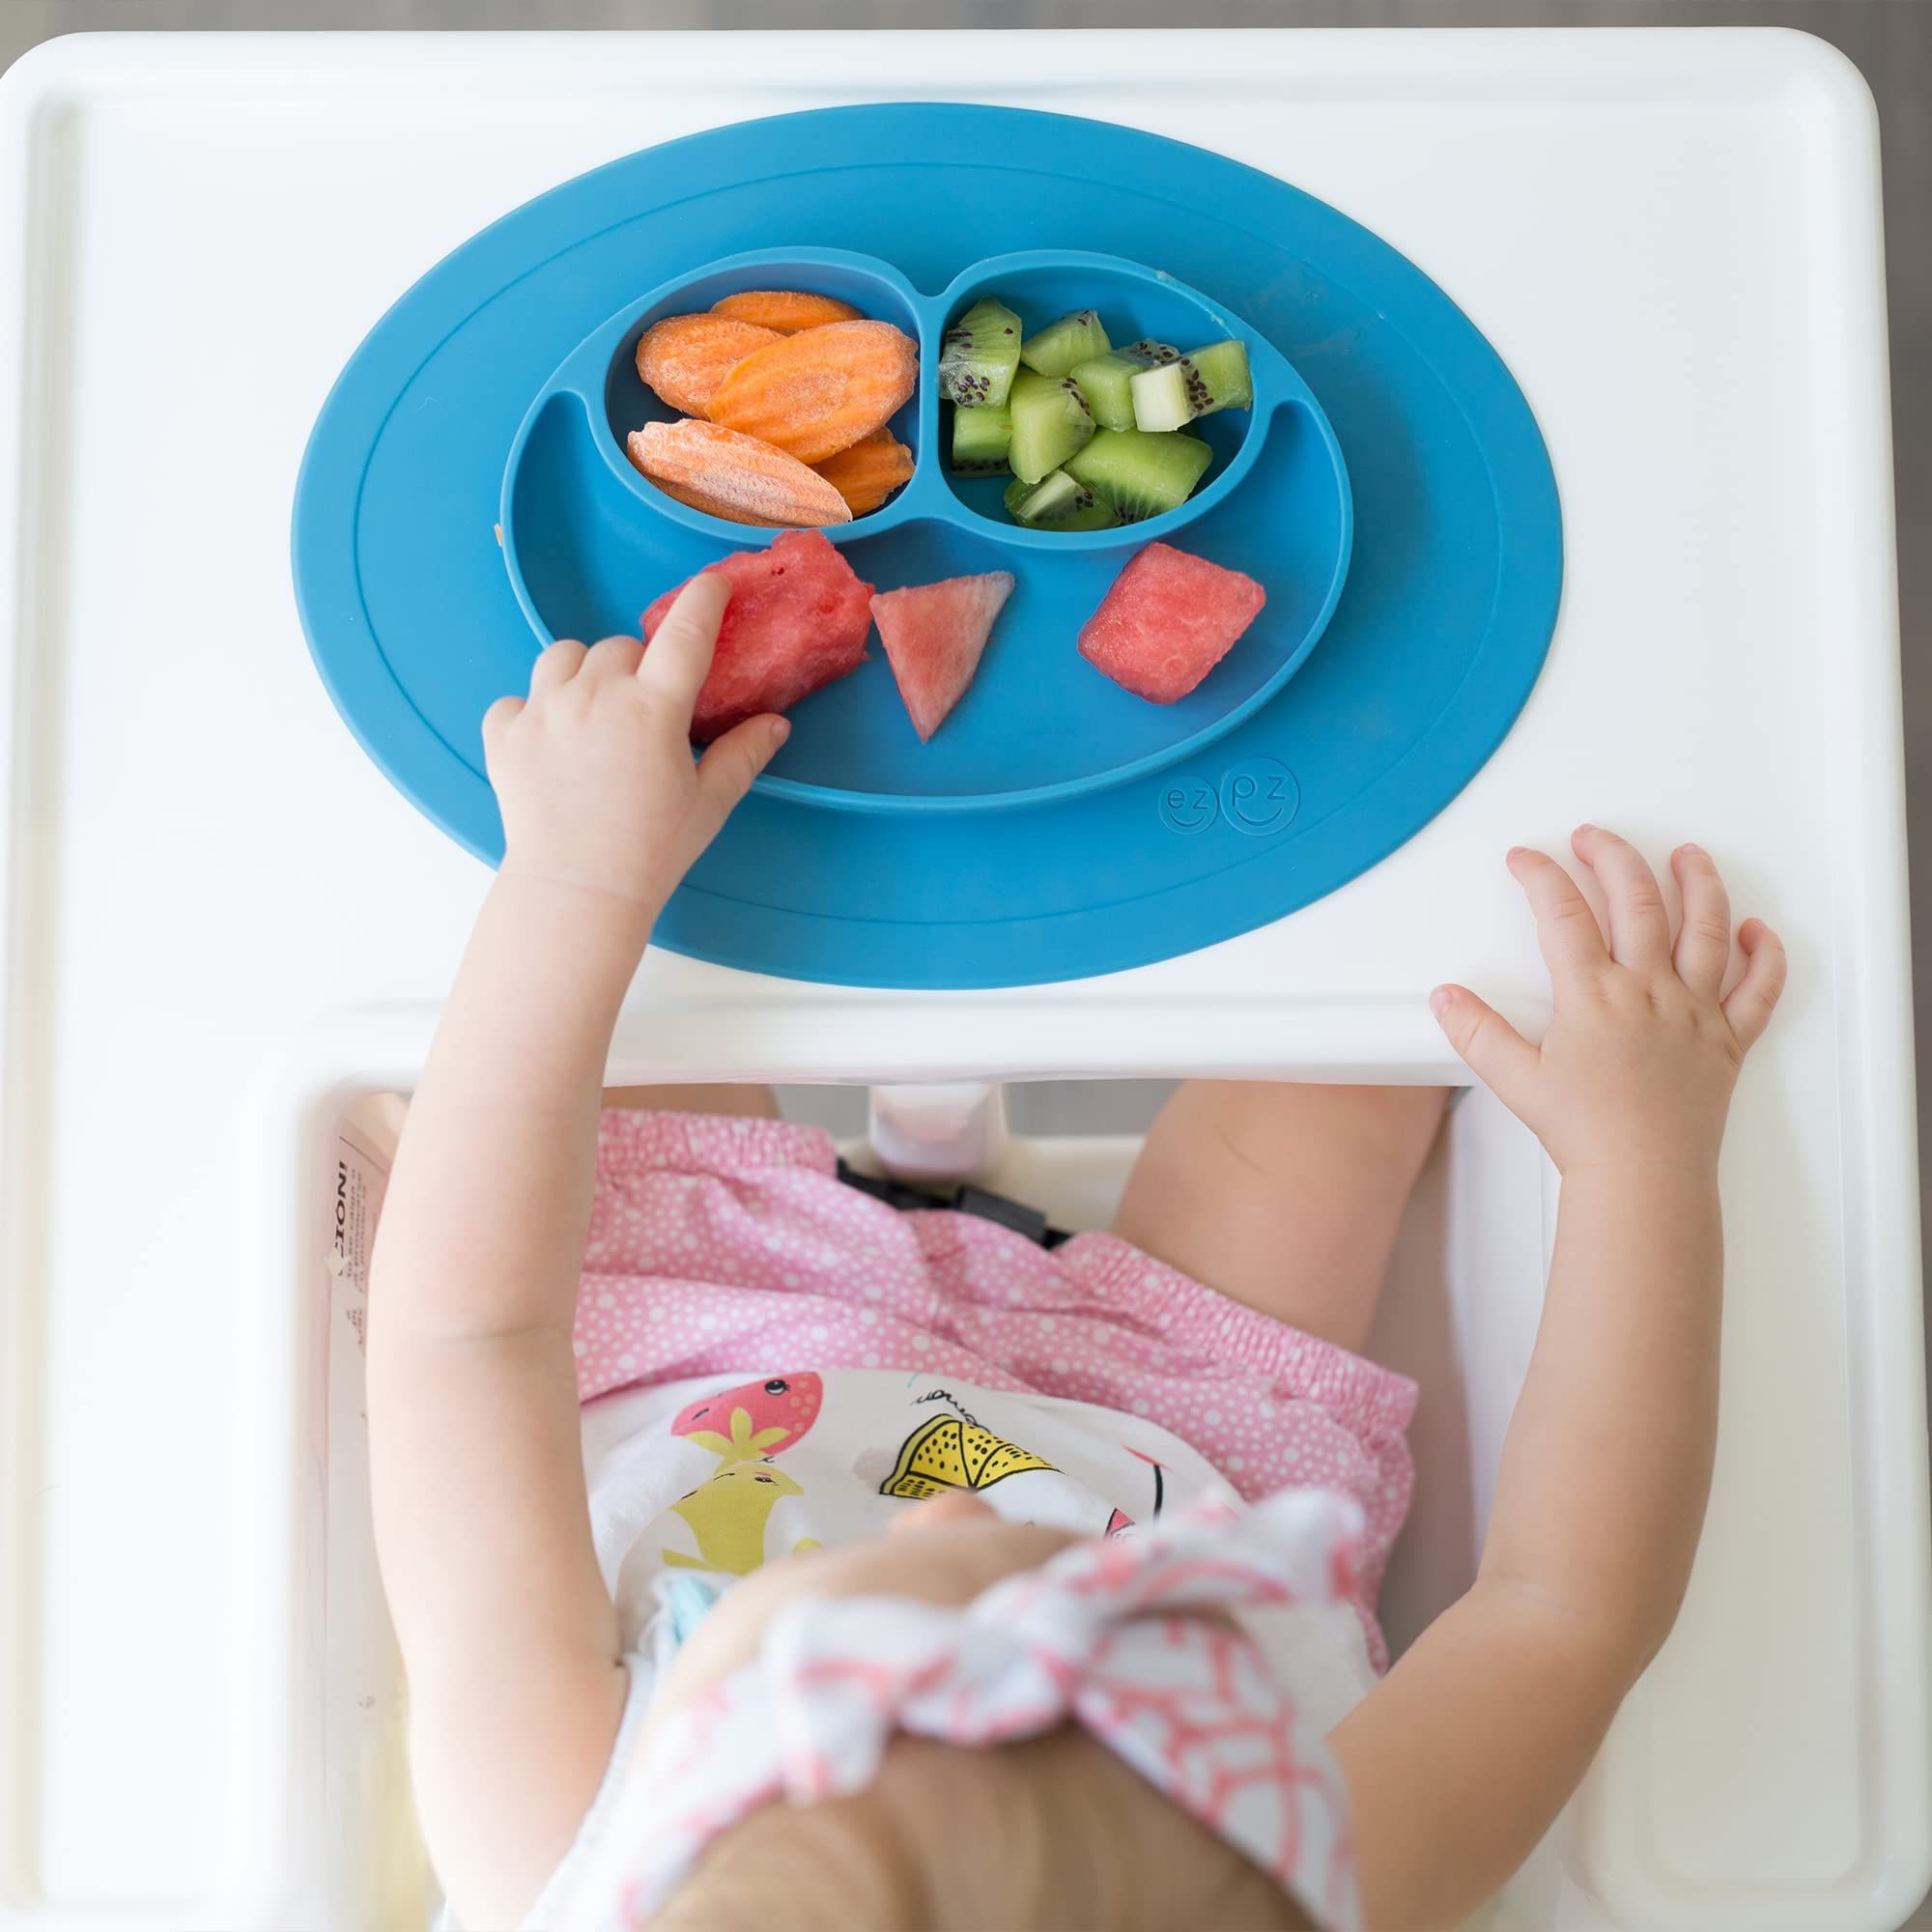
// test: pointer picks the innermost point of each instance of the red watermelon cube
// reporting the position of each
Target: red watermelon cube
(798, 619)
(1170, 618)
(934, 635)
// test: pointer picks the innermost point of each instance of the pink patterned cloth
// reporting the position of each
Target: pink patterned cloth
(720, 1247)
(1108, 1636)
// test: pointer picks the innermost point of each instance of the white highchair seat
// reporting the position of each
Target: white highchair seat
(941, 1135)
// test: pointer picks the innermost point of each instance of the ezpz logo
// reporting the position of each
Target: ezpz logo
(1189, 804)
(1258, 796)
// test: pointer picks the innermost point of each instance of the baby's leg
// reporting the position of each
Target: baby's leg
(1283, 1197)
(741, 1102)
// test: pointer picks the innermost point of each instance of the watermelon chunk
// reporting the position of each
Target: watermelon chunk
(798, 619)
(934, 635)
(1170, 618)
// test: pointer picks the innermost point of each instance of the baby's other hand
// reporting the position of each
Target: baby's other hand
(593, 771)
(1638, 1066)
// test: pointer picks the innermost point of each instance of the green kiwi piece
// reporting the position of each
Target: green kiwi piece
(1141, 473)
(978, 354)
(1056, 502)
(1062, 346)
(1050, 422)
(1207, 380)
(1104, 380)
(981, 437)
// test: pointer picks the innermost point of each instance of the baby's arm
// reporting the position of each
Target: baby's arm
(507, 1634)
(1463, 1754)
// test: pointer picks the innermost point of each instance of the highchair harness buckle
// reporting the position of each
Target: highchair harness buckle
(980, 1201)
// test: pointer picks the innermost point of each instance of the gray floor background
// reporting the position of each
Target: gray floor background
(1890, 40)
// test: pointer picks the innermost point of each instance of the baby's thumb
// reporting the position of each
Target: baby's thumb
(1489, 1046)
(725, 771)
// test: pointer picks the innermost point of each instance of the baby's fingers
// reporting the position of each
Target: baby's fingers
(1488, 1045)
(497, 718)
(1640, 926)
(1566, 929)
(610, 661)
(1754, 998)
(679, 658)
(1704, 941)
(557, 665)
(725, 771)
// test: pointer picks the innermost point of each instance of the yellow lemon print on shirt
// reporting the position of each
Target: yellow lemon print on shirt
(953, 1452)
(727, 1515)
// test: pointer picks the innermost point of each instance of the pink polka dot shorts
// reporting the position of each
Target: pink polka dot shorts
(725, 1247)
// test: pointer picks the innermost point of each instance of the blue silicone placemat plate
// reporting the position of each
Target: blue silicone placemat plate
(1434, 646)
(582, 531)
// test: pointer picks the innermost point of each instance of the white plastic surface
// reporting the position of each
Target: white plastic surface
(952, 1130)
(1674, 240)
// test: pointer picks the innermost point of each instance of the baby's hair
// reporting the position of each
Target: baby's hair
(1054, 1835)
(834, 1865)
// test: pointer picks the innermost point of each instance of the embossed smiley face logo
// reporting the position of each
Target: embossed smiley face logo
(1260, 796)
(1189, 804)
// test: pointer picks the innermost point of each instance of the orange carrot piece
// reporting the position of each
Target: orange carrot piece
(818, 392)
(785, 310)
(869, 471)
(712, 506)
(761, 484)
(684, 357)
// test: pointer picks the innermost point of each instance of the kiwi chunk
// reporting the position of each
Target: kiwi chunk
(1050, 422)
(1060, 346)
(1056, 502)
(980, 438)
(1209, 378)
(1104, 380)
(1141, 473)
(978, 354)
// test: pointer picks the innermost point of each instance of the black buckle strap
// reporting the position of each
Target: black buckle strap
(981, 1201)
(1013, 1214)
(893, 1193)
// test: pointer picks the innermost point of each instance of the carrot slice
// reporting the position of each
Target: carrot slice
(761, 484)
(712, 506)
(785, 310)
(818, 392)
(869, 471)
(684, 357)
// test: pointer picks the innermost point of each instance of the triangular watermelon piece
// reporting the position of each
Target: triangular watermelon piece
(934, 635)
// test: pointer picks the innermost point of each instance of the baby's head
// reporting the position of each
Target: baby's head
(1053, 1830)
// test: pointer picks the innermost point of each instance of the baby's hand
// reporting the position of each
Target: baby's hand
(1638, 1066)
(593, 772)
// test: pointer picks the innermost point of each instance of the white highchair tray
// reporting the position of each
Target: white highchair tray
(1672, 238)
